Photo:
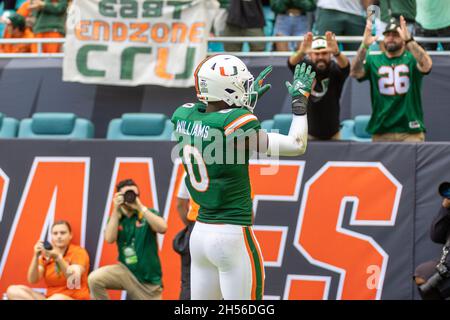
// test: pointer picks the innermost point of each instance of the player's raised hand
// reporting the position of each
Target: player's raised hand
(303, 80)
(258, 86)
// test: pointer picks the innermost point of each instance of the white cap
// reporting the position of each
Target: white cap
(319, 43)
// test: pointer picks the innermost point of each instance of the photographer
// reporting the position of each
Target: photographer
(133, 227)
(62, 265)
(432, 277)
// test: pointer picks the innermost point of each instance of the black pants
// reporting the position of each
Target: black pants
(444, 32)
(181, 246)
(9, 4)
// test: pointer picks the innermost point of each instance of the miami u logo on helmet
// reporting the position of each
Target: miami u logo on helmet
(223, 73)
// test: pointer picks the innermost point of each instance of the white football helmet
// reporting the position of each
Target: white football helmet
(226, 78)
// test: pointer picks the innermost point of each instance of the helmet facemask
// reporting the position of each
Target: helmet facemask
(249, 97)
(226, 78)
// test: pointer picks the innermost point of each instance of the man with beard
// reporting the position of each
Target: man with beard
(396, 79)
(323, 105)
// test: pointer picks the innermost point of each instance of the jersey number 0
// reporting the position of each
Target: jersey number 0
(188, 152)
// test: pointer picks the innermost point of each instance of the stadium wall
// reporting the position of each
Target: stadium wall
(34, 85)
(345, 221)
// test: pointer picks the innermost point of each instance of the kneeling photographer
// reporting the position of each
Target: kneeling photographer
(62, 265)
(133, 227)
(433, 277)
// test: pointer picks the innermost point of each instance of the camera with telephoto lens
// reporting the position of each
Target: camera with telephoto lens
(129, 196)
(437, 286)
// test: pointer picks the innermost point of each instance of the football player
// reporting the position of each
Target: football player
(226, 258)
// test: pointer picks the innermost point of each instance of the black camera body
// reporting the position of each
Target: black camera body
(437, 286)
(130, 196)
(48, 246)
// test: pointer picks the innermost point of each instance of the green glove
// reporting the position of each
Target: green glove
(258, 86)
(303, 79)
(301, 88)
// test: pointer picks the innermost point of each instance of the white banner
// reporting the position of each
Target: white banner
(137, 42)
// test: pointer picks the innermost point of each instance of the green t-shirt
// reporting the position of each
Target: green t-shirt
(433, 14)
(216, 180)
(407, 8)
(136, 234)
(224, 3)
(395, 93)
(51, 18)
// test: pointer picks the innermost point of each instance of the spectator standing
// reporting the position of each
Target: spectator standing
(16, 29)
(218, 26)
(50, 21)
(220, 20)
(342, 17)
(245, 19)
(291, 20)
(434, 20)
(133, 227)
(395, 78)
(63, 266)
(323, 104)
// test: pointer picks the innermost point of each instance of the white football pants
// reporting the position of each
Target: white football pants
(226, 262)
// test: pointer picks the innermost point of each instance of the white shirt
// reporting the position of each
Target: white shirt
(348, 6)
(183, 192)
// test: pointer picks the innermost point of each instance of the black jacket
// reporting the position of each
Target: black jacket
(323, 105)
(441, 226)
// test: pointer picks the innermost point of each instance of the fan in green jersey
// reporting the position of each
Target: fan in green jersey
(217, 176)
(395, 77)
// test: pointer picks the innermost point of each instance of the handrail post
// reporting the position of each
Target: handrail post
(40, 48)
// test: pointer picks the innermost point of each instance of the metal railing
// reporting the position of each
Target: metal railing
(39, 42)
(340, 39)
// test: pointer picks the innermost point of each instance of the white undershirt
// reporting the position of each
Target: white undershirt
(183, 192)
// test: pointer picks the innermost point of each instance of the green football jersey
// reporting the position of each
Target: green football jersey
(395, 93)
(217, 174)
